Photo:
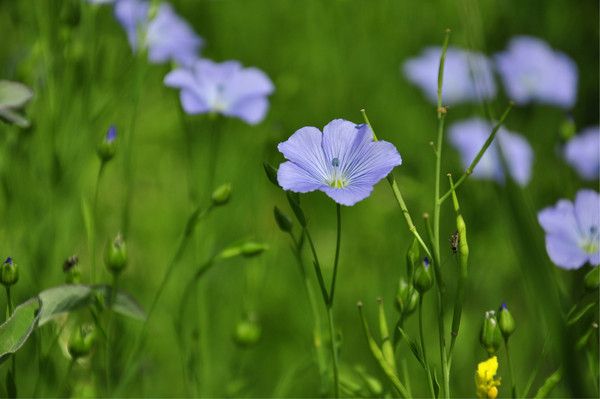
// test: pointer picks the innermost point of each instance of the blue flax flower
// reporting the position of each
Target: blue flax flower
(226, 88)
(469, 136)
(467, 75)
(166, 36)
(533, 72)
(344, 162)
(583, 153)
(573, 230)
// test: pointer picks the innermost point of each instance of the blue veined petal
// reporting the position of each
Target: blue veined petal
(339, 136)
(349, 195)
(587, 214)
(292, 177)
(303, 148)
(582, 152)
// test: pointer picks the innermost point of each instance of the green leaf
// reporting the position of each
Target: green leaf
(14, 94)
(17, 328)
(413, 347)
(14, 118)
(578, 312)
(123, 304)
(549, 384)
(63, 299)
(436, 384)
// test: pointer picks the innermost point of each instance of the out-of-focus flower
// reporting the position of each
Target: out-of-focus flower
(166, 36)
(101, 1)
(467, 75)
(573, 230)
(226, 88)
(344, 162)
(533, 72)
(582, 152)
(14, 96)
(469, 136)
(485, 378)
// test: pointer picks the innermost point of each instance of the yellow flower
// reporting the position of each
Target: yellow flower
(485, 378)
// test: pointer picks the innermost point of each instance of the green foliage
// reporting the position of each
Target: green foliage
(15, 331)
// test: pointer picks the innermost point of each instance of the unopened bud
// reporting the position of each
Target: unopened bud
(221, 194)
(407, 298)
(9, 272)
(505, 321)
(108, 146)
(592, 279)
(72, 270)
(284, 222)
(490, 335)
(82, 341)
(423, 279)
(251, 248)
(413, 258)
(115, 256)
(247, 333)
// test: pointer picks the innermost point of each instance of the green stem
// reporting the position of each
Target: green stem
(398, 195)
(95, 217)
(9, 309)
(423, 348)
(329, 304)
(337, 253)
(336, 377)
(511, 373)
(317, 267)
(9, 304)
(111, 301)
(475, 161)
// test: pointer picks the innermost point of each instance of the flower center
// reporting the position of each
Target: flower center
(590, 245)
(337, 179)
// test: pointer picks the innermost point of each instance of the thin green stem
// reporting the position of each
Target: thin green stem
(111, 301)
(334, 356)
(317, 267)
(398, 195)
(9, 309)
(337, 253)
(423, 348)
(479, 155)
(441, 116)
(95, 217)
(329, 304)
(9, 304)
(511, 372)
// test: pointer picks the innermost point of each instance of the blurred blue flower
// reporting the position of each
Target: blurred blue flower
(467, 75)
(573, 230)
(469, 136)
(111, 134)
(533, 72)
(226, 88)
(344, 162)
(166, 36)
(582, 152)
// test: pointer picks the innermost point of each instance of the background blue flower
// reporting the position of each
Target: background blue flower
(573, 230)
(533, 72)
(582, 152)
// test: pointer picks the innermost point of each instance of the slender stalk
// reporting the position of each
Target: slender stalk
(398, 195)
(9, 304)
(317, 267)
(337, 252)
(423, 348)
(441, 116)
(95, 217)
(111, 301)
(329, 304)
(475, 161)
(9, 311)
(334, 356)
(511, 373)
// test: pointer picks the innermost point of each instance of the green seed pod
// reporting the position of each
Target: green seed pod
(251, 248)
(284, 222)
(490, 335)
(82, 341)
(72, 270)
(108, 147)
(407, 298)
(9, 272)
(592, 279)
(463, 246)
(221, 195)
(413, 258)
(423, 279)
(247, 333)
(115, 255)
(506, 322)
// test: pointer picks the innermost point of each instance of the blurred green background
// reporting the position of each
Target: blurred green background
(327, 59)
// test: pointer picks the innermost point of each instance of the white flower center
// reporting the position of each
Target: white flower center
(336, 178)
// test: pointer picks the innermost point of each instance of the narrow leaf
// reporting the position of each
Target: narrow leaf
(123, 304)
(549, 384)
(18, 327)
(63, 299)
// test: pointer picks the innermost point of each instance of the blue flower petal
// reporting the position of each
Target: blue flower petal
(582, 152)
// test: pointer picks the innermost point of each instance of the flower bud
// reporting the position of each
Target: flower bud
(247, 333)
(221, 194)
(423, 278)
(251, 248)
(284, 222)
(407, 298)
(490, 335)
(592, 279)
(115, 255)
(108, 146)
(506, 322)
(82, 341)
(9, 272)
(72, 270)
(413, 258)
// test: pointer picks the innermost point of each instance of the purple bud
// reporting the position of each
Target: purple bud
(426, 262)
(504, 305)
(111, 134)
(9, 260)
